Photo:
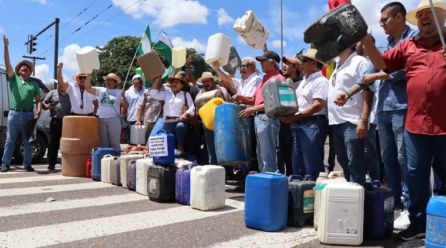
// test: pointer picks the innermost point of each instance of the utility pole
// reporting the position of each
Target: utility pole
(34, 61)
(31, 45)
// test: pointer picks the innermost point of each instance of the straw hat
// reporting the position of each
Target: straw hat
(178, 77)
(411, 16)
(112, 76)
(311, 54)
(79, 73)
(207, 75)
(26, 62)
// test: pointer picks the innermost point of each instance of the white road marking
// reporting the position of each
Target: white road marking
(81, 230)
(52, 189)
(69, 204)
(35, 179)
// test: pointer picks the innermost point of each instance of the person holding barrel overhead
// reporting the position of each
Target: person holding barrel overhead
(110, 100)
(179, 107)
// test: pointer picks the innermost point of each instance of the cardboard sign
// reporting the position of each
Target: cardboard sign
(158, 146)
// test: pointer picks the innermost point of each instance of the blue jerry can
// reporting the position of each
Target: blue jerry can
(300, 200)
(96, 155)
(378, 211)
(436, 222)
(131, 175)
(182, 185)
(266, 201)
(162, 148)
(232, 135)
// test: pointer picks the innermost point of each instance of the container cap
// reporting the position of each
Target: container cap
(437, 206)
(323, 174)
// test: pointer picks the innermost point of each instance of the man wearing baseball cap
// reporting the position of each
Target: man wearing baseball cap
(267, 129)
(424, 61)
(23, 92)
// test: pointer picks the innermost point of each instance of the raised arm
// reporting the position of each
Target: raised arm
(190, 76)
(225, 80)
(9, 69)
(90, 89)
(62, 85)
(374, 54)
(155, 92)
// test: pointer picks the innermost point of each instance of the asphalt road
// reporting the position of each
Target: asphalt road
(87, 213)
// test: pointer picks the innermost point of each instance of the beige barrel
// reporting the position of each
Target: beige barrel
(80, 134)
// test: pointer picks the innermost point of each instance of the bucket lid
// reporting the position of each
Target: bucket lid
(437, 206)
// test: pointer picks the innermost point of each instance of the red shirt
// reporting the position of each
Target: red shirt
(258, 93)
(425, 69)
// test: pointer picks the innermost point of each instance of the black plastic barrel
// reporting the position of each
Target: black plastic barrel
(161, 183)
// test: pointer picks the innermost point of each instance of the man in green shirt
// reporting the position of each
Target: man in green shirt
(23, 93)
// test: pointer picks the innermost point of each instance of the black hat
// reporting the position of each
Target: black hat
(269, 55)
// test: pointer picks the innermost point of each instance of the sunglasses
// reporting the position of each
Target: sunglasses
(384, 20)
(306, 60)
(208, 81)
(244, 66)
(82, 77)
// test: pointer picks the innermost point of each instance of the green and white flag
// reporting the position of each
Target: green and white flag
(164, 46)
(145, 45)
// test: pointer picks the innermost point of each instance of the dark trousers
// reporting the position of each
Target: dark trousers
(254, 165)
(56, 134)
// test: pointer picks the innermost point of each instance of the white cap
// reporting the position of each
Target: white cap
(137, 76)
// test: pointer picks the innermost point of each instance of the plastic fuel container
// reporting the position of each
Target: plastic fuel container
(178, 56)
(105, 168)
(333, 177)
(335, 32)
(162, 148)
(251, 30)
(142, 166)
(161, 183)
(436, 222)
(138, 135)
(341, 219)
(96, 156)
(204, 98)
(218, 49)
(300, 200)
(80, 134)
(266, 201)
(115, 171)
(182, 184)
(151, 65)
(234, 61)
(207, 112)
(207, 187)
(279, 98)
(332, 4)
(123, 161)
(131, 175)
(378, 211)
(88, 168)
(232, 135)
(88, 59)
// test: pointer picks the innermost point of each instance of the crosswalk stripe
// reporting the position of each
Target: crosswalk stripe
(69, 204)
(288, 237)
(80, 230)
(35, 179)
(52, 189)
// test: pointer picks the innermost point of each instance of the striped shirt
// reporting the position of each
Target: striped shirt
(153, 108)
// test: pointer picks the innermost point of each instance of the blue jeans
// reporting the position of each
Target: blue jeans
(420, 150)
(393, 153)
(15, 125)
(439, 183)
(285, 151)
(308, 152)
(350, 152)
(267, 131)
(371, 156)
(178, 129)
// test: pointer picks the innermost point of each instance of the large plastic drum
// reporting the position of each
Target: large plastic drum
(80, 134)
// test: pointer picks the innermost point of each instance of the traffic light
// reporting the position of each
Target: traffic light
(32, 44)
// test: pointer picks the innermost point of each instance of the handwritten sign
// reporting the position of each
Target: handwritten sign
(158, 146)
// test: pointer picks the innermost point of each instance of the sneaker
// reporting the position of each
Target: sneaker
(403, 222)
(4, 168)
(51, 167)
(29, 168)
(411, 233)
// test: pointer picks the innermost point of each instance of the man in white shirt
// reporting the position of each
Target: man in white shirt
(350, 123)
(244, 87)
(311, 120)
(82, 102)
(131, 99)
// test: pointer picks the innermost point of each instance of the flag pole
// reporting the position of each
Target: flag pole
(133, 60)
(438, 24)
(154, 43)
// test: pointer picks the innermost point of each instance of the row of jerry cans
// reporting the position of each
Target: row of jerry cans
(272, 201)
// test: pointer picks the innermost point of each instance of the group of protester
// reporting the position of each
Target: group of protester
(391, 93)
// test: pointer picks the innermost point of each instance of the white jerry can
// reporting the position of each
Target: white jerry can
(105, 168)
(125, 158)
(88, 59)
(207, 187)
(251, 30)
(142, 166)
(219, 46)
(138, 135)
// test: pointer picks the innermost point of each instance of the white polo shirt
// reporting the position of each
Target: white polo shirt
(341, 80)
(312, 87)
(76, 99)
(247, 87)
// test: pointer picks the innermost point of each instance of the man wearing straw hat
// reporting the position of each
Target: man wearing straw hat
(311, 121)
(23, 92)
(82, 102)
(424, 59)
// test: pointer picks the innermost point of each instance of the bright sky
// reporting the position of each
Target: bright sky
(187, 23)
